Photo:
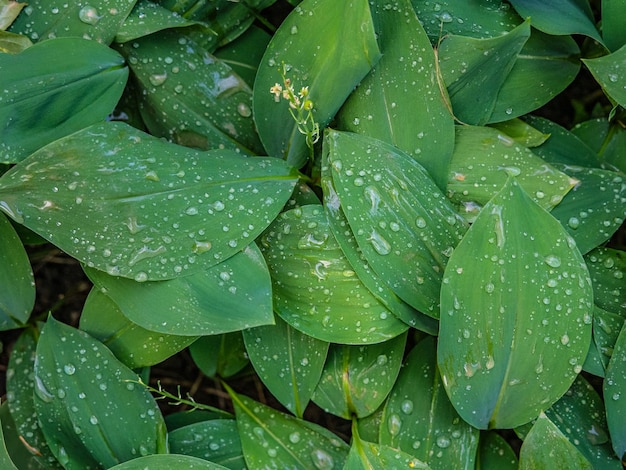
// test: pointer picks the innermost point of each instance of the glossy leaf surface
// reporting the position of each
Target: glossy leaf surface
(607, 139)
(132, 345)
(615, 395)
(306, 42)
(419, 418)
(84, 396)
(357, 379)
(403, 225)
(288, 362)
(409, 111)
(53, 98)
(494, 453)
(315, 289)
(546, 447)
(493, 338)
(162, 210)
(271, 439)
(168, 462)
(220, 355)
(613, 32)
(12, 451)
(16, 277)
(231, 296)
(607, 267)
(609, 71)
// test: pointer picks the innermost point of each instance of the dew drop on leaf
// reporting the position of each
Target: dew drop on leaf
(322, 460)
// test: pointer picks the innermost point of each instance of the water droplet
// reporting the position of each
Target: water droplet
(89, 15)
(41, 391)
(443, 442)
(244, 110)
(552, 261)
(158, 79)
(381, 360)
(420, 222)
(574, 222)
(294, 29)
(564, 340)
(489, 288)
(141, 277)
(596, 435)
(294, 437)
(613, 77)
(93, 420)
(394, 423)
(322, 460)
(62, 456)
(201, 246)
(407, 407)
(379, 243)
(69, 369)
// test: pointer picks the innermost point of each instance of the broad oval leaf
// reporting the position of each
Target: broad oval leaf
(12, 451)
(231, 296)
(409, 111)
(16, 277)
(271, 439)
(162, 210)
(494, 453)
(84, 396)
(133, 345)
(419, 418)
(546, 447)
(516, 318)
(168, 462)
(315, 289)
(357, 379)
(306, 42)
(607, 139)
(189, 96)
(609, 72)
(50, 99)
(607, 267)
(615, 395)
(289, 362)
(403, 224)
(221, 355)
(613, 31)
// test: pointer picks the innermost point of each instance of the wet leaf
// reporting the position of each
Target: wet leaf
(84, 396)
(189, 96)
(162, 210)
(49, 19)
(231, 296)
(594, 209)
(402, 223)
(288, 362)
(357, 379)
(20, 386)
(368, 455)
(606, 329)
(16, 275)
(9, 10)
(167, 462)
(474, 71)
(16, 453)
(419, 418)
(607, 139)
(559, 17)
(315, 289)
(271, 439)
(306, 42)
(409, 111)
(546, 447)
(5, 458)
(216, 440)
(376, 285)
(494, 453)
(521, 132)
(146, 18)
(613, 31)
(484, 157)
(609, 71)
(607, 268)
(133, 345)
(53, 98)
(615, 395)
(220, 355)
(516, 305)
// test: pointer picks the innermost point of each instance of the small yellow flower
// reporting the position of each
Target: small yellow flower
(308, 105)
(304, 91)
(276, 90)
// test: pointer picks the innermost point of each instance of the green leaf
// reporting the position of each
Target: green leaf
(20, 387)
(474, 71)
(315, 289)
(357, 379)
(483, 157)
(606, 329)
(306, 42)
(546, 447)
(494, 453)
(512, 335)
(19, 457)
(403, 224)
(167, 462)
(216, 440)
(613, 31)
(376, 285)
(189, 96)
(5, 457)
(231, 296)
(409, 111)
(367, 455)
(288, 362)
(521, 132)
(271, 439)
(615, 395)
(147, 18)
(143, 208)
(16, 277)
(13, 43)
(53, 98)
(220, 355)
(559, 17)
(609, 71)
(607, 139)
(552, 61)
(594, 209)
(84, 396)
(48, 19)
(607, 268)
(9, 10)
(133, 345)
(419, 418)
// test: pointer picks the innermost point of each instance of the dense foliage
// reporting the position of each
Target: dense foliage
(356, 201)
